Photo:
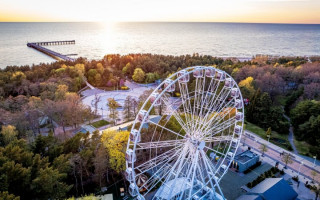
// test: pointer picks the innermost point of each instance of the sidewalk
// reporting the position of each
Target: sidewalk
(273, 155)
(297, 157)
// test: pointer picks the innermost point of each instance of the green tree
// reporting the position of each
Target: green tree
(138, 75)
(49, 184)
(6, 196)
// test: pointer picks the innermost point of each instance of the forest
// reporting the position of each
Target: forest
(35, 166)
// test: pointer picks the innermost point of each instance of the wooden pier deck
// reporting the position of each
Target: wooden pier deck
(53, 54)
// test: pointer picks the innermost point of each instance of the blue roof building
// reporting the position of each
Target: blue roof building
(271, 189)
(246, 159)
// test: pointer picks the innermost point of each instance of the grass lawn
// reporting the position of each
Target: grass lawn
(276, 138)
(302, 147)
(100, 123)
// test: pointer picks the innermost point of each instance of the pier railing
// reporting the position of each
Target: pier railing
(53, 54)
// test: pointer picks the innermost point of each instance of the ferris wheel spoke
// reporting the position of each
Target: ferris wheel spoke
(217, 116)
(160, 173)
(218, 138)
(158, 159)
(174, 113)
(170, 172)
(225, 93)
(194, 172)
(160, 144)
(215, 151)
(185, 100)
(220, 127)
(164, 128)
(212, 172)
(205, 97)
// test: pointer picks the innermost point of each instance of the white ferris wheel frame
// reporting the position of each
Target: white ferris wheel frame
(213, 180)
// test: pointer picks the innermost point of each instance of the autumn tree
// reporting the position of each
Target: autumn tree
(61, 92)
(116, 143)
(8, 134)
(138, 75)
(287, 159)
(268, 133)
(112, 107)
(247, 87)
(263, 148)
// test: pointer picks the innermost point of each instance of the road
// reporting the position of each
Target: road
(273, 155)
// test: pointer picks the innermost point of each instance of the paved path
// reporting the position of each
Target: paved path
(273, 153)
(93, 95)
(291, 136)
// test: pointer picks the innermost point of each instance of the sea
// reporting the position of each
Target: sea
(96, 39)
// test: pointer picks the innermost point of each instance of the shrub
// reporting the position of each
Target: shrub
(295, 178)
(124, 88)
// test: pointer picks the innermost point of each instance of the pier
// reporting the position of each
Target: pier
(39, 46)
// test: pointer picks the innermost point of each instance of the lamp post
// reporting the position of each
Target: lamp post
(102, 112)
(314, 162)
(300, 168)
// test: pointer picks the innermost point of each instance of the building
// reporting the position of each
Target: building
(85, 129)
(271, 189)
(245, 160)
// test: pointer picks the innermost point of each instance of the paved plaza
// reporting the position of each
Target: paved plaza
(90, 96)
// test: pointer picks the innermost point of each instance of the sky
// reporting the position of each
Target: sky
(252, 11)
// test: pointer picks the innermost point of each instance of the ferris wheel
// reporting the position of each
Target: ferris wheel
(185, 136)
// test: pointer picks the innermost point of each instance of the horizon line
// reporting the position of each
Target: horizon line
(159, 22)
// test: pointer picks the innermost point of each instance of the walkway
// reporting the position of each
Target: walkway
(291, 136)
(273, 153)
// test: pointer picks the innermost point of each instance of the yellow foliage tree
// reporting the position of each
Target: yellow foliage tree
(116, 143)
(247, 87)
(61, 92)
(80, 68)
(8, 133)
(138, 75)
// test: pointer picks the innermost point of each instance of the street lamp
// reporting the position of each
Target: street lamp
(314, 162)
(102, 112)
(300, 168)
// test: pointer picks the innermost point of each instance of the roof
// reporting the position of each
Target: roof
(87, 128)
(245, 156)
(274, 188)
(249, 197)
(153, 119)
